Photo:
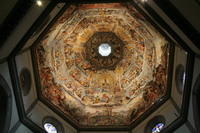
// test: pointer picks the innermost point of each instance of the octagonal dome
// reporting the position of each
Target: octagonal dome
(93, 90)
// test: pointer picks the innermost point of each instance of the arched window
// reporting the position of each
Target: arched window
(5, 105)
(158, 128)
(180, 78)
(50, 128)
(52, 125)
(155, 125)
(25, 81)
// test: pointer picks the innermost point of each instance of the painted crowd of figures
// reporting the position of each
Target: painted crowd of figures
(102, 97)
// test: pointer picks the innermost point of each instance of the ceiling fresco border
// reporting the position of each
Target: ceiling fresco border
(35, 67)
(109, 128)
(25, 120)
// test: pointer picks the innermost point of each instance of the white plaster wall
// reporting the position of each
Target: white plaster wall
(23, 129)
(40, 111)
(24, 60)
(190, 10)
(195, 75)
(51, 16)
(21, 29)
(183, 129)
(167, 110)
(5, 73)
(179, 58)
(159, 11)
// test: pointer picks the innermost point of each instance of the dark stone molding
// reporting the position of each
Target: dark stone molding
(18, 97)
(190, 127)
(168, 29)
(183, 24)
(7, 95)
(31, 31)
(186, 97)
(14, 75)
(176, 105)
(195, 103)
(31, 107)
(15, 127)
(189, 71)
(13, 19)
